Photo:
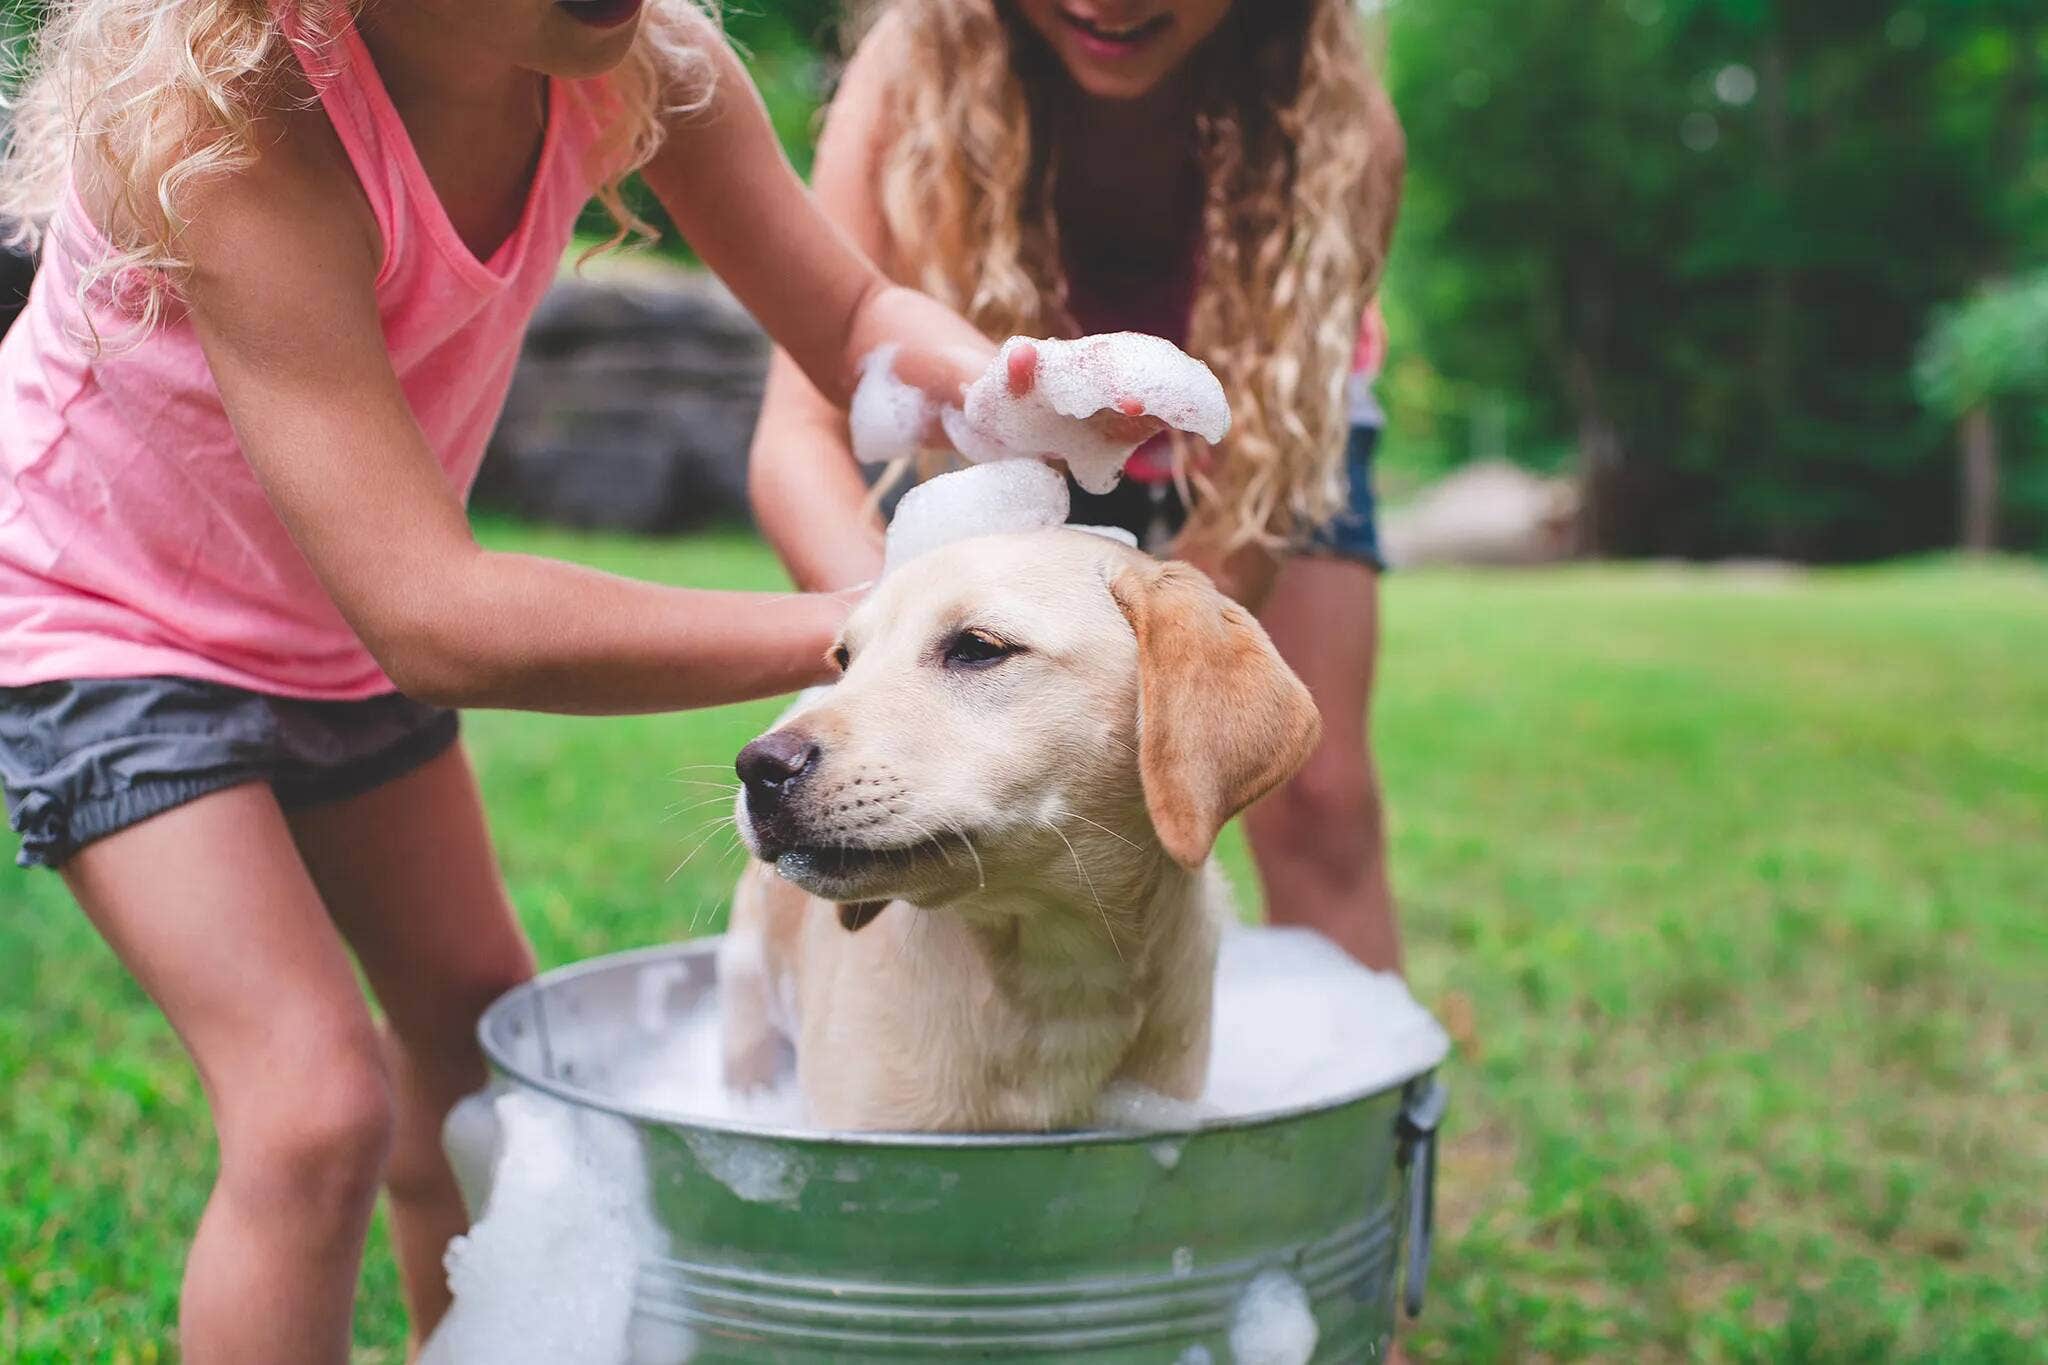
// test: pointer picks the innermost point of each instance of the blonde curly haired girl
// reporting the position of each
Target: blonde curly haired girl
(1224, 173)
(287, 252)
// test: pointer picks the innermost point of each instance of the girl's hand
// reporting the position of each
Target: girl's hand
(941, 374)
(1126, 422)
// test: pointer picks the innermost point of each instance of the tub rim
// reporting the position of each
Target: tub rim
(583, 1097)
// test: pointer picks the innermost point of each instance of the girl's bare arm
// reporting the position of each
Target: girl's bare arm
(282, 297)
(808, 494)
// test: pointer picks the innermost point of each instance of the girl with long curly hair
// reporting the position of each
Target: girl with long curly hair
(288, 249)
(1223, 174)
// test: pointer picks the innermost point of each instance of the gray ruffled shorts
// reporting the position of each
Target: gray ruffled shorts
(83, 759)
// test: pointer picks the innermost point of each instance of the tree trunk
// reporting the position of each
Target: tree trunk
(1605, 504)
(1980, 481)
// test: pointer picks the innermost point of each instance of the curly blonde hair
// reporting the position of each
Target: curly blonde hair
(158, 97)
(1301, 160)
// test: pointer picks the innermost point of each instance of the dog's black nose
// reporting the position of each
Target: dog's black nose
(771, 765)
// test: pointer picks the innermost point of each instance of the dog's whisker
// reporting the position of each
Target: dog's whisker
(903, 946)
(930, 835)
(685, 807)
(1071, 815)
(967, 840)
(1089, 882)
(728, 825)
(694, 801)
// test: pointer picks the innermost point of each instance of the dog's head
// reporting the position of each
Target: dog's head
(1026, 712)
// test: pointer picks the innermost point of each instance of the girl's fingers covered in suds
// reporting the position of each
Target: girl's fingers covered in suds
(1023, 369)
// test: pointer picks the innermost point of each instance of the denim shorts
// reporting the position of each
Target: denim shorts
(83, 759)
(1154, 512)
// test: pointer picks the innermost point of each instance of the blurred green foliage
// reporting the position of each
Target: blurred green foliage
(791, 48)
(1691, 245)
(1994, 346)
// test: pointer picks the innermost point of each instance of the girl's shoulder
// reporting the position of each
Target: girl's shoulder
(860, 126)
(879, 61)
(884, 40)
(287, 168)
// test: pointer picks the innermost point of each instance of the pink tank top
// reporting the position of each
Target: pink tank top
(134, 536)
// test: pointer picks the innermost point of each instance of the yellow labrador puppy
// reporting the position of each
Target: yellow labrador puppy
(983, 890)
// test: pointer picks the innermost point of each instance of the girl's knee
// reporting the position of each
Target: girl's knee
(314, 1135)
(1333, 798)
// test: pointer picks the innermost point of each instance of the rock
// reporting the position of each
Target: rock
(1490, 512)
(632, 406)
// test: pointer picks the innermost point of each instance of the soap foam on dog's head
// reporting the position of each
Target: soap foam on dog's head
(1010, 495)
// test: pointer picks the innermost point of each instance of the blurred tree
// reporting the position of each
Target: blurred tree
(1695, 241)
(1991, 350)
(791, 49)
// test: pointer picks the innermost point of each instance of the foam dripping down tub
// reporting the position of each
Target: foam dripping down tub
(630, 1215)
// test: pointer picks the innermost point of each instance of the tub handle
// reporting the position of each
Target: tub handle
(1422, 1110)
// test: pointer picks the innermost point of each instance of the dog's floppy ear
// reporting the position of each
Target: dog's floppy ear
(1221, 719)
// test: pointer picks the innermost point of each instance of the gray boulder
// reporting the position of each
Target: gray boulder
(1488, 512)
(633, 404)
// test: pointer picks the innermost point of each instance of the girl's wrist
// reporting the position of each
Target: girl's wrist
(825, 614)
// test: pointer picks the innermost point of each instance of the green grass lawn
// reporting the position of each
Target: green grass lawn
(1732, 889)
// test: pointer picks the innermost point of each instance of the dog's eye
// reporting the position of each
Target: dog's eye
(977, 649)
(840, 657)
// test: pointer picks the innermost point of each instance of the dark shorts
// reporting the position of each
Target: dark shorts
(1154, 512)
(81, 760)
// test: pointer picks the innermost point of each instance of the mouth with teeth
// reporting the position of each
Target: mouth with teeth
(599, 13)
(1114, 40)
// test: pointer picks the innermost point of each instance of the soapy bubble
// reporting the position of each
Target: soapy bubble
(547, 1273)
(1273, 1324)
(887, 417)
(985, 499)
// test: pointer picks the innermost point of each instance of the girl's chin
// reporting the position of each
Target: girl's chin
(1114, 85)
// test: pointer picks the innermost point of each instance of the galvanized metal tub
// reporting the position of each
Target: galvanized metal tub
(806, 1247)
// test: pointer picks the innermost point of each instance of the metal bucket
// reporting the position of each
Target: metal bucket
(794, 1246)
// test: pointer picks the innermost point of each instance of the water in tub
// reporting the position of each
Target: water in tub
(546, 1274)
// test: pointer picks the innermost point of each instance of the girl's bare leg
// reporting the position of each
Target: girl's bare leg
(210, 907)
(409, 875)
(1320, 840)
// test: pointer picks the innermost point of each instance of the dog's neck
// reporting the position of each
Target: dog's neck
(1064, 995)
(1098, 934)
